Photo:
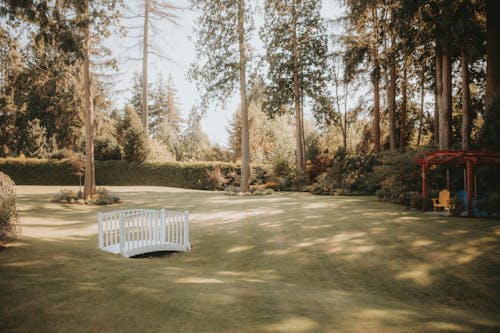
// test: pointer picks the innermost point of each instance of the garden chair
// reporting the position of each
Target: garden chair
(443, 201)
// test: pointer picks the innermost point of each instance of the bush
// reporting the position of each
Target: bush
(9, 221)
(174, 174)
(399, 177)
(348, 175)
(67, 196)
(101, 197)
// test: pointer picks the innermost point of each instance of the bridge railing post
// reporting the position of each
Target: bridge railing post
(99, 230)
(122, 235)
(186, 230)
(163, 225)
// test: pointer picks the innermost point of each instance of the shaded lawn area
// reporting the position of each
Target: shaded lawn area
(290, 262)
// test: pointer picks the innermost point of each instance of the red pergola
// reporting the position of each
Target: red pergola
(456, 157)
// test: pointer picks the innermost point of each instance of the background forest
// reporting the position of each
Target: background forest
(331, 106)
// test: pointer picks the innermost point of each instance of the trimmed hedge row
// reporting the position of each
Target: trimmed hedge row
(173, 174)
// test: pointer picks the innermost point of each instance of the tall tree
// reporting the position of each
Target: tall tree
(363, 43)
(296, 48)
(165, 10)
(493, 50)
(223, 30)
(151, 13)
(89, 184)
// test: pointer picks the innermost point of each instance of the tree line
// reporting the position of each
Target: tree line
(383, 75)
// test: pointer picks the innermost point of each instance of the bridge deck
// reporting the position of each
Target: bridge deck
(133, 248)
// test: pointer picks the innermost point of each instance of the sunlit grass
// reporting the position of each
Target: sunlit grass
(290, 262)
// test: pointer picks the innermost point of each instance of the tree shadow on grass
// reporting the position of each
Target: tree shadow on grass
(287, 262)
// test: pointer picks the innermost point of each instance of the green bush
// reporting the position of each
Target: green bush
(399, 177)
(174, 174)
(9, 221)
(348, 175)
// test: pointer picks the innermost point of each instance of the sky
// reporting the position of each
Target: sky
(176, 42)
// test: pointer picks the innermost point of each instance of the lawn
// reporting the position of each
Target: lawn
(289, 262)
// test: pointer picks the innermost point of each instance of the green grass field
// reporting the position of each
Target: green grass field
(290, 262)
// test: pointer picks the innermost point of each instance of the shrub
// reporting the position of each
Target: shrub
(101, 197)
(9, 221)
(174, 174)
(67, 196)
(348, 175)
(217, 179)
(399, 177)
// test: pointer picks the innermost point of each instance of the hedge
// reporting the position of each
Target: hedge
(191, 175)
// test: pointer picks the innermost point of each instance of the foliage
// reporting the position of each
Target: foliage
(36, 140)
(101, 197)
(218, 179)
(399, 176)
(9, 220)
(194, 143)
(349, 175)
(106, 148)
(489, 135)
(172, 174)
(136, 144)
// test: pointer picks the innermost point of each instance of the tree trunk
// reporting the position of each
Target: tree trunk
(465, 102)
(404, 105)
(301, 163)
(445, 139)
(438, 95)
(89, 183)
(391, 103)
(245, 145)
(144, 106)
(421, 113)
(492, 50)
(376, 103)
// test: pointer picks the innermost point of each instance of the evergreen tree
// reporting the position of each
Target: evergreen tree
(36, 140)
(296, 48)
(164, 108)
(136, 143)
(194, 142)
(223, 50)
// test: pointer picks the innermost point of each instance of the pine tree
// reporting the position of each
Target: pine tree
(295, 43)
(223, 51)
(194, 142)
(36, 140)
(136, 143)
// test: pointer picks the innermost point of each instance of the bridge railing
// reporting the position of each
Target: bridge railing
(140, 230)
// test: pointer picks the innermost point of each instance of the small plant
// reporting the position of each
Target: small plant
(66, 196)
(103, 197)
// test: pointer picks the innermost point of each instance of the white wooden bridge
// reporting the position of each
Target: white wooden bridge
(138, 231)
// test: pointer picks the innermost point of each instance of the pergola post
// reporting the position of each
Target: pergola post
(468, 164)
(424, 187)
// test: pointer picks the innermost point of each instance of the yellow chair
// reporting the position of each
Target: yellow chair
(443, 201)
